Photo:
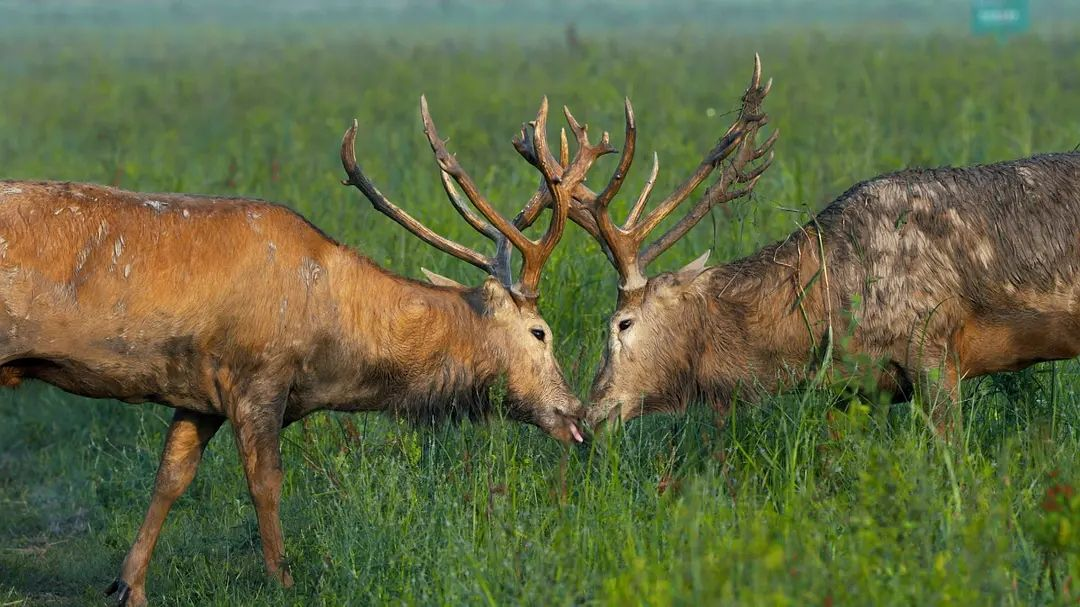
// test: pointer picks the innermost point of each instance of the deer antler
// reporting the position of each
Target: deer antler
(625, 245)
(559, 180)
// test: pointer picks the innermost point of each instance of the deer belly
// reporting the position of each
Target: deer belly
(131, 382)
(1002, 344)
(110, 367)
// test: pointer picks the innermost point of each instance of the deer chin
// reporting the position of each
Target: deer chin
(607, 411)
(562, 425)
(603, 414)
(566, 432)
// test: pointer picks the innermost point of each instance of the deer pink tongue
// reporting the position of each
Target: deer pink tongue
(575, 432)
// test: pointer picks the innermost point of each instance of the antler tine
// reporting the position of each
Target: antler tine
(767, 146)
(542, 197)
(625, 160)
(581, 132)
(449, 164)
(753, 174)
(536, 254)
(384, 206)
(573, 174)
(768, 87)
(587, 153)
(564, 149)
(549, 167)
(522, 145)
(741, 142)
(646, 191)
(721, 150)
(620, 246)
(472, 218)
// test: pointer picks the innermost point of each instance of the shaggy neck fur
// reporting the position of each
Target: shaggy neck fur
(766, 319)
(427, 351)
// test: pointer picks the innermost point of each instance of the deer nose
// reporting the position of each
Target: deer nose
(573, 411)
(601, 414)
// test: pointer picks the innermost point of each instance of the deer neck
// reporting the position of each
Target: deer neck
(419, 342)
(777, 307)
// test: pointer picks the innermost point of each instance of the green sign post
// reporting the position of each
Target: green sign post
(1000, 17)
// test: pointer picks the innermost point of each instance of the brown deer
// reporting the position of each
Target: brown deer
(929, 275)
(240, 310)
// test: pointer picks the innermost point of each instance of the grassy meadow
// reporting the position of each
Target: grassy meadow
(798, 501)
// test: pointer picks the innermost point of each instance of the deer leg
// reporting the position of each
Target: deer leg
(257, 438)
(940, 392)
(952, 424)
(187, 438)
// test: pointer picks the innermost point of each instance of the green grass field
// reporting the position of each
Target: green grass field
(795, 502)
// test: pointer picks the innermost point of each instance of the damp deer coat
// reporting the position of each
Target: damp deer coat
(908, 282)
(241, 310)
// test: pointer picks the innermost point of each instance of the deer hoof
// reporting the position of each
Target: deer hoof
(286, 578)
(125, 596)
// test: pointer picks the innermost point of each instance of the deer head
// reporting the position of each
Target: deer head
(519, 336)
(656, 331)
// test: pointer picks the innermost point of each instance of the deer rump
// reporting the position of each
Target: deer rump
(977, 267)
(106, 293)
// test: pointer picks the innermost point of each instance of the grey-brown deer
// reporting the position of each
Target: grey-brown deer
(931, 275)
(240, 310)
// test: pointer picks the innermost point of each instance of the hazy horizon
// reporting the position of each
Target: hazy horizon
(722, 15)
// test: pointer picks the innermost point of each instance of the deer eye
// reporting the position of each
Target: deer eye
(625, 324)
(538, 334)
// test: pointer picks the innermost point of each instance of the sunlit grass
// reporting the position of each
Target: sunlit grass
(809, 499)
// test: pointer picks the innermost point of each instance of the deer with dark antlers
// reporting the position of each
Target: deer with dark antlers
(240, 310)
(653, 360)
(921, 278)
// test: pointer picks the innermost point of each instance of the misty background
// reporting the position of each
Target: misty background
(488, 15)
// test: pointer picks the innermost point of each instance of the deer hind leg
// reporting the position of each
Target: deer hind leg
(938, 389)
(257, 438)
(187, 438)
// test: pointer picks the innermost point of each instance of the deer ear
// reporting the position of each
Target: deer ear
(441, 281)
(692, 269)
(496, 295)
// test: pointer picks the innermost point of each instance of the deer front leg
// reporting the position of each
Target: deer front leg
(187, 438)
(257, 438)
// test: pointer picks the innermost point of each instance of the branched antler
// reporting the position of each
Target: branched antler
(559, 180)
(625, 245)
